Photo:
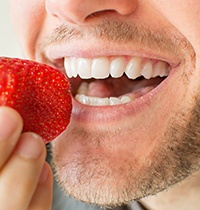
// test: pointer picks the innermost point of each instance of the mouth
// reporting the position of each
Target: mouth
(111, 81)
(108, 88)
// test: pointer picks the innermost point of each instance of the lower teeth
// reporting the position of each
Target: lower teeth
(96, 101)
(82, 96)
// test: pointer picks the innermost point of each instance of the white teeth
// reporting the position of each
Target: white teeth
(161, 69)
(96, 101)
(147, 70)
(100, 68)
(115, 101)
(133, 68)
(125, 99)
(73, 65)
(103, 67)
(117, 67)
(67, 67)
(84, 68)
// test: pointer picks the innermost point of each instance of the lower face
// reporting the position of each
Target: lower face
(112, 154)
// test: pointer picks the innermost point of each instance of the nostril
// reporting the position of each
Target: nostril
(78, 11)
(97, 14)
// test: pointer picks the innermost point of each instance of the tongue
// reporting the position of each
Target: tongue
(117, 87)
(101, 89)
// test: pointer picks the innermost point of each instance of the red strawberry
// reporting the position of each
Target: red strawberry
(39, 93)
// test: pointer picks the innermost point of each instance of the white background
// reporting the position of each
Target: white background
(9, 45)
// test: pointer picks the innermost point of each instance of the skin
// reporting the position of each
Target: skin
(34, 190)
(151, 149)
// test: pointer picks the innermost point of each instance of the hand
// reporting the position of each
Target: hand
(25, 177)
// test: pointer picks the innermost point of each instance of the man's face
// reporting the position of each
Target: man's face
(134, 68)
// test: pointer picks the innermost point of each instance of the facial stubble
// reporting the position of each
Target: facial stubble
(175, 159)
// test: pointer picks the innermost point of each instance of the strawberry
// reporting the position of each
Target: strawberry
(39, 93)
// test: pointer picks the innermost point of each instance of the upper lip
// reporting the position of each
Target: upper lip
(102, 40)
(56, 53)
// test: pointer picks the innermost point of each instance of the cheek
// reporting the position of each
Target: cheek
(184, 16)
(27, 18)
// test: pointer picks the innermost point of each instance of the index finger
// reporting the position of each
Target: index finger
(10, 131)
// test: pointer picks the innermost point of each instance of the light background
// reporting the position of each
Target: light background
(9, 45)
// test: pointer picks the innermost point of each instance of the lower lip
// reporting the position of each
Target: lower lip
(107, 114)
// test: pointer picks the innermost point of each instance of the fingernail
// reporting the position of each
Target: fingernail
(30, 145)
(44, 174)
(8, 123)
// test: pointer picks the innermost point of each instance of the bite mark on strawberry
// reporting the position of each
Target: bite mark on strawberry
(40, 93)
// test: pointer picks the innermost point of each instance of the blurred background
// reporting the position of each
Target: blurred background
(9, 45)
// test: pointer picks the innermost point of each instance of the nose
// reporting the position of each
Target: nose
(77, 11)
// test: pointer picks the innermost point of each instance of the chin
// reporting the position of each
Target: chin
(134, 127)
(112, 167)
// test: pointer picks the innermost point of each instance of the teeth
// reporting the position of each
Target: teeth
(67, 67)
(115, 101)
(125, 99)
(100, 68)
(117, 67)
(133, 68)
(73, 65)
(96, 101)
(161, 69)
(147, 70)
(103, 67)
(84, 68)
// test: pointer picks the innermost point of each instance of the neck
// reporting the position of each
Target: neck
(184, 195)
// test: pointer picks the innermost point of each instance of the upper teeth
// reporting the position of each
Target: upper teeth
(103, 67)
